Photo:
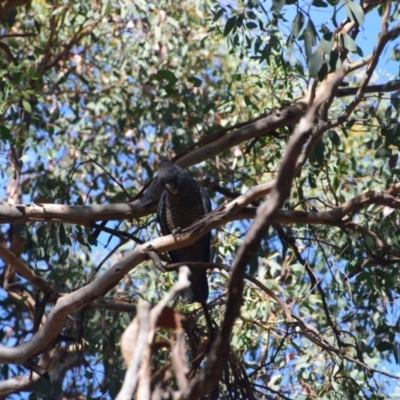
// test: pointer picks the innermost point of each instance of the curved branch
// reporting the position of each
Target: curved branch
(47, 335)
(277, 119)
(69, 303)
(23, 270)
(218, 356)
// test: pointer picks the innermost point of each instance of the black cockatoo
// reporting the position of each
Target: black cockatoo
(182, 203)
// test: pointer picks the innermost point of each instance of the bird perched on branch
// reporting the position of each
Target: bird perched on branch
(182, 203)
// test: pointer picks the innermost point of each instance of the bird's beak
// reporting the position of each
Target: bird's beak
(171, 188)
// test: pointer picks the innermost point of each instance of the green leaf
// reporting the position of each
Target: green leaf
(167, 75)
(50, 153)
(334, 138)
(239, 21)
(396, 352)
(64, 256)
(43, 387)
(62, 234)
(395, 55)
(277, 5)
(355, 12)
(27, 106)
(297, 24)
(290, 47)
(251, 25)
(11, 17)
(230, 24)
(319, 3)
(311, 33)
(39, 50)
(5, 133)
(393, 160)
(334, 61)
(384, 346)
(315, 63)
(327, 42)
(348, 43)
(383, 152)
(323, 72)
(196, 81)
(317, 155)
(218, 14)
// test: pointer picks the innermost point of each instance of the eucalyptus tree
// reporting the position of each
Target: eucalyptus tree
(281, 111)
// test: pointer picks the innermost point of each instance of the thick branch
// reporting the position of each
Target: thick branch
(84, 215)
(209, 377)
(47, 335)
(276, 119)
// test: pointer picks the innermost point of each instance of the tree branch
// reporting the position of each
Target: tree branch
(23, 270)
(390, 86)
(216, 361)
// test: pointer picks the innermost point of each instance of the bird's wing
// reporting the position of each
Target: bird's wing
(175, 212)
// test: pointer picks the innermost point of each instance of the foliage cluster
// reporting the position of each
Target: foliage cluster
(93, 94)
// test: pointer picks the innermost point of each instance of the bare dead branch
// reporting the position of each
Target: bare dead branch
(355, 66)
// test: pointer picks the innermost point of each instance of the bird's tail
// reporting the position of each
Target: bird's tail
(198, 290)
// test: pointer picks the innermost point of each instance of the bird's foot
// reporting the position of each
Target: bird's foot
(176, 231)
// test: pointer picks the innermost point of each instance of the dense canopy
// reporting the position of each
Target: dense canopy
(286, 112)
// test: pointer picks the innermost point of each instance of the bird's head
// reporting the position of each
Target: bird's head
(171, 176)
